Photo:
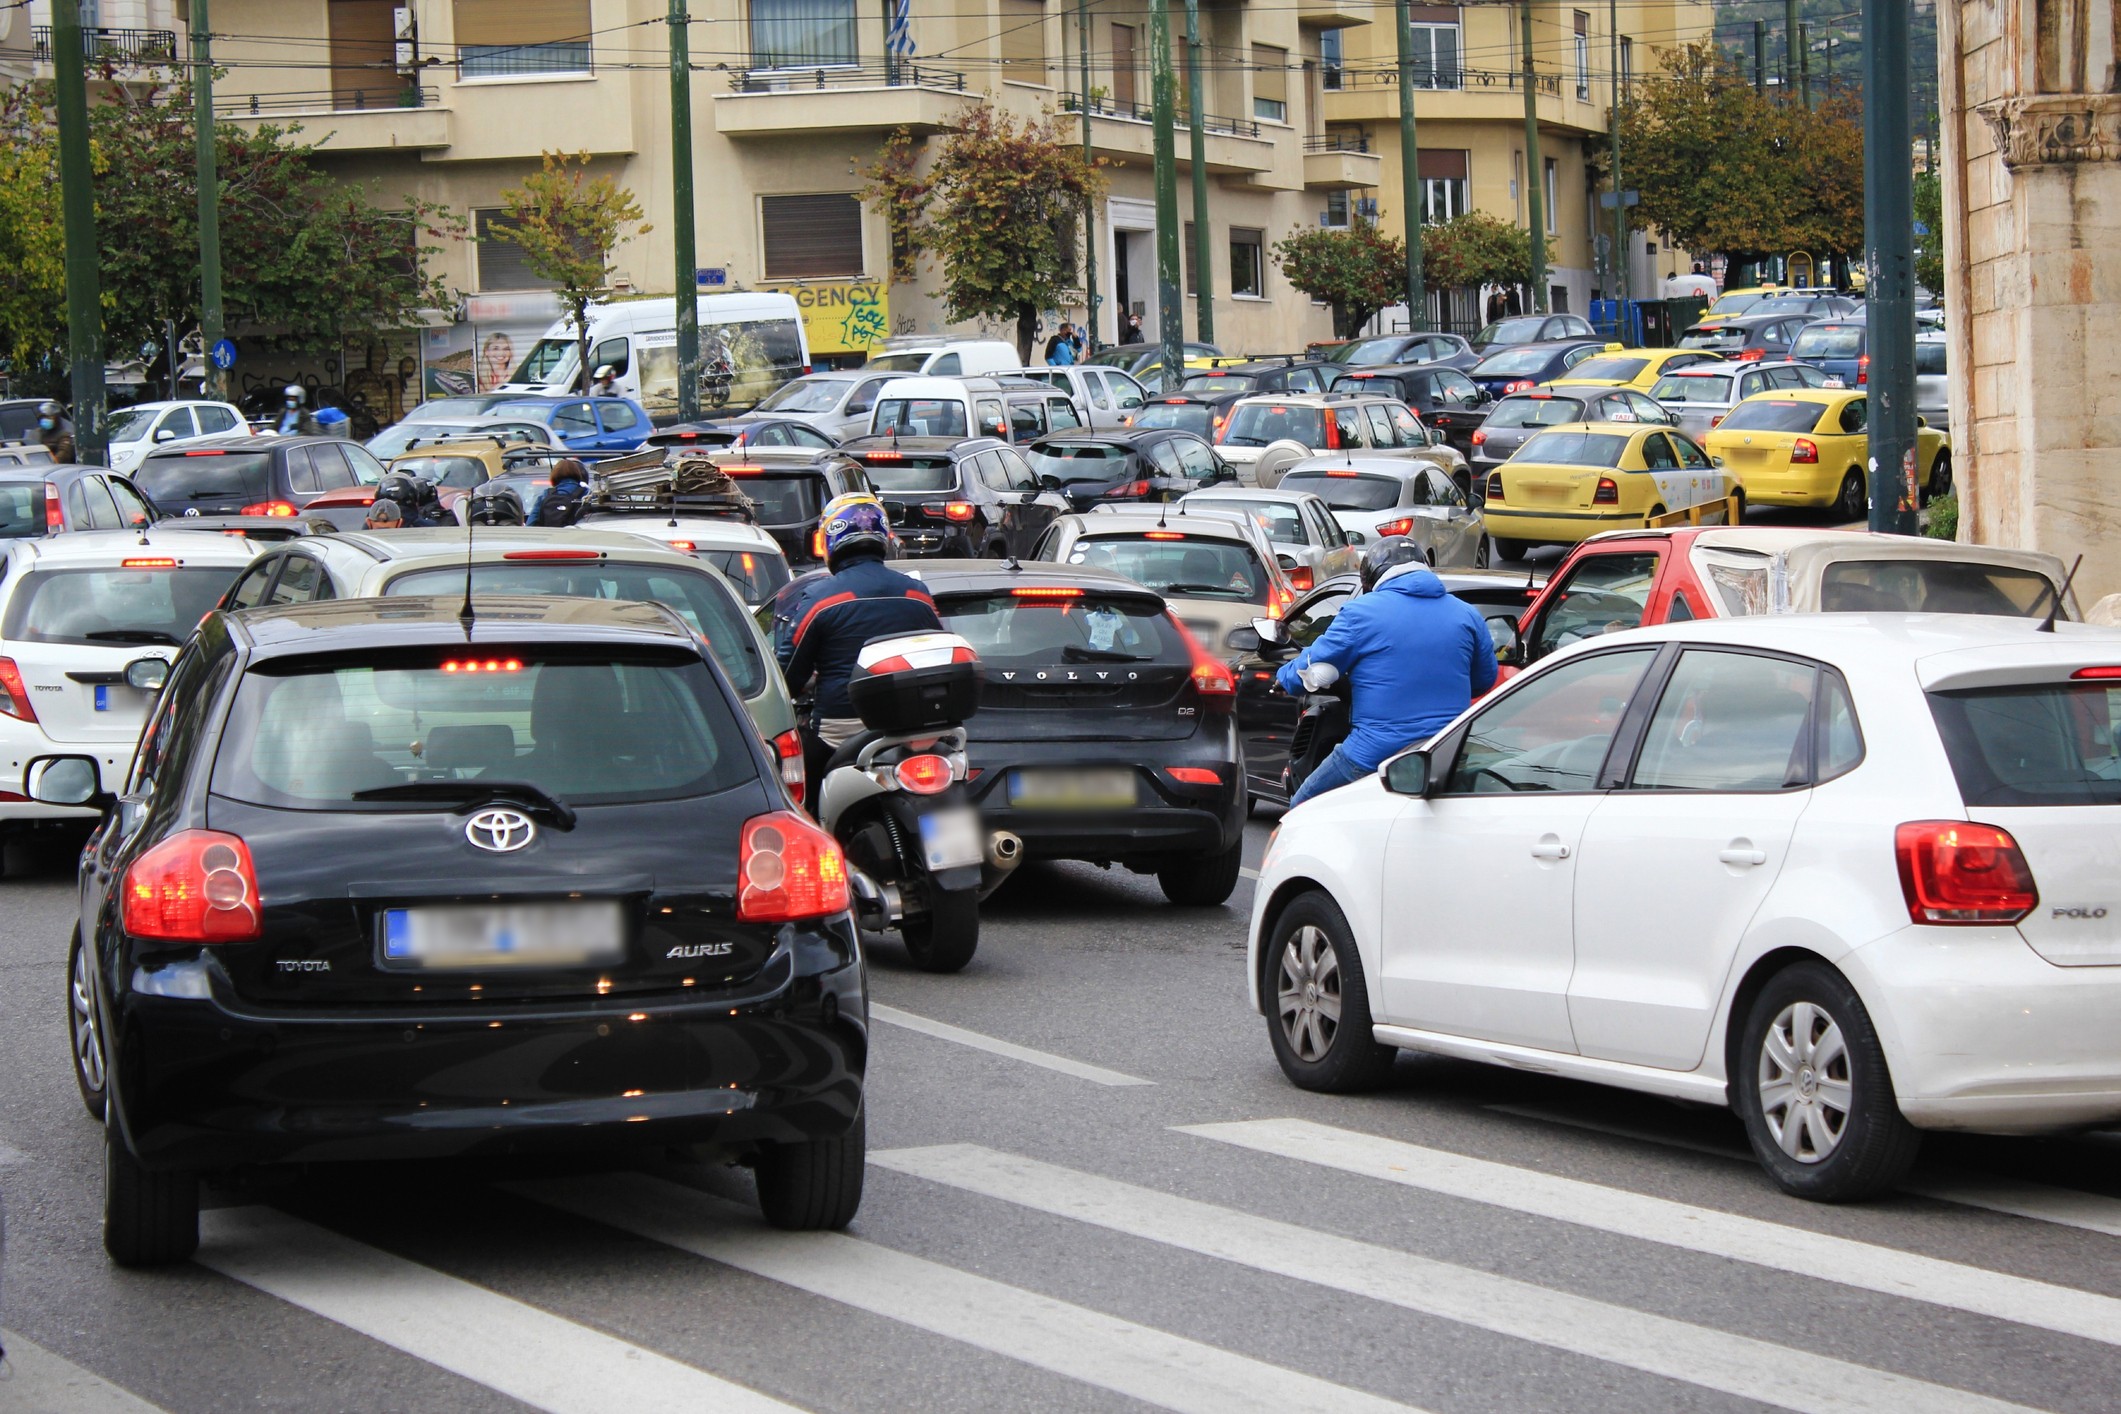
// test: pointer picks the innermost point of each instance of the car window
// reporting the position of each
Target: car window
(617, 417)
(1126, 393)
(936, 417)
(807, 436)
(177, 421)
(574, 420)
(1348, 425)
(132, 506)
(1021, 476)
(1645, 408)
(1407, 427)
(1304, 628)
(301, 475)
(1691, 457)
(1457, 388)
(1657, 453)
(1578, 355)
(97, 511)
(771, 437)
(1307, 380)
(1060, 412)
(1195, 459)
(330, 461)
(1603, 594)
(1419, 492)
(249, 591)
(864, 398)
(1094, 387)
(613, 352)
(1729, 722)
(302, 580)
(214, 419)
(1551, 734)
(1026, 420)
(1855, 415)
(1329, 532)
(1165, 457)
(948, 366)
(1381, 432)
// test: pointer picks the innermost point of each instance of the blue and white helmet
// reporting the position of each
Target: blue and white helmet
(854, 522)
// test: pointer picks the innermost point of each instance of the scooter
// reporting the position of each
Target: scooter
(1324, 724)
(919, 860)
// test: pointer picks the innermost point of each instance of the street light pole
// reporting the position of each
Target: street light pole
(1204, 302)
(1889, 264)
(1619, 261)
(1082, 45)
(202, 81)
(1410, 174)
(1534, 171)
(681, 214)
(77, 204)
(1170, 311)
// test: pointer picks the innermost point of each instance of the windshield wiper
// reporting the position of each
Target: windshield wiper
(1197, 589)
(1077, 653)
(469, 795)
(132, 635)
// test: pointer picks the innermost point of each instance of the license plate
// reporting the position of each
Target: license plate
(509, 935)
(950, 839)
(1072, 790)
(1835, 380)
(102, 697)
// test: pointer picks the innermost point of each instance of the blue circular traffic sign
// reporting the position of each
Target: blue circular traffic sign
(224, 354)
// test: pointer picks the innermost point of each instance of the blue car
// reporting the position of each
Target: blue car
(1839, 348)
(1523, 367)
(587, 424)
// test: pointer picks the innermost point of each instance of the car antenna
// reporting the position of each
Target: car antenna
(2047, 625)
(465, 615)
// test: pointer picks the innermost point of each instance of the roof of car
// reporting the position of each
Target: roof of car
(705, 532)
(241, 442)
(1398, 468)
(456, 446)
(1248, 493)
(1111, 520)
(412, 620)
(993, 576)
(445, 544)
(875, 442)
(1125, 435)
(1868, 637)
(109, 547)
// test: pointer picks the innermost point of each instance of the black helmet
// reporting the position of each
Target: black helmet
(1387, 555)
(494, 503)
(399, 487)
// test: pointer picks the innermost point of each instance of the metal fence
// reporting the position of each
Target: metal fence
(1102, 107)
(359, 100)
(901, 74)
(123, 47)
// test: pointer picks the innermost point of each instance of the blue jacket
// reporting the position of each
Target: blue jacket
(1413, 658)
(837, 615)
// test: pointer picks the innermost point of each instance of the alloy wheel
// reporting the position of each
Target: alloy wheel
(1805, 1089)
(88, 1039)
(1309, 993)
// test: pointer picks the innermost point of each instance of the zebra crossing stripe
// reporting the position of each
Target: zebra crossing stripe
(35, 1381)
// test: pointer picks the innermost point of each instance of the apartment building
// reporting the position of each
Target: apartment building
(1469, 106)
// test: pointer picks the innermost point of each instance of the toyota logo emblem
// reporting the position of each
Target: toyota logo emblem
(500, 831)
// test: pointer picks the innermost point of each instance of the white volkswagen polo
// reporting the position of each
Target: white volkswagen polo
(1855, 876)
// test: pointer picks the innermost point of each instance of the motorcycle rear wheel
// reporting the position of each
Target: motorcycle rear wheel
(944, 938)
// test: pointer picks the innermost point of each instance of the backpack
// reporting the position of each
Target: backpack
(559, 507)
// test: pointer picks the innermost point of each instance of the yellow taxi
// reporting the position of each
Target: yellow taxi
(1569, 482)
(1732, 303)
(1810, 447)
(1640, 369)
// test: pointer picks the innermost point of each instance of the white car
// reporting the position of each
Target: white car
(91, 621)
(1271, 432)
(1855, 876)
(749, 558)
(139, 429)
(1373, 497)
(1108, 395)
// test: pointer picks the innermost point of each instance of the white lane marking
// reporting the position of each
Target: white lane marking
(1099, 1350)
(526, 1353)
(35, 1381)
(10, 1157)
(1735, 1364)
(1248, 873)
(943, 1030)
(1815, 1255)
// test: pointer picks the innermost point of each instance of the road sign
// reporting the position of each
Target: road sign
(224, 355)
(712, 277)
(1609, 200)
(1921, 228)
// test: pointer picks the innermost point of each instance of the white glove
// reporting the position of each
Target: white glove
(1317, 677)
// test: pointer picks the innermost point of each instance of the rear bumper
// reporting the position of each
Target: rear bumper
(1169, 819)
(1812, 486)
(214, 1082)
(1555, 526)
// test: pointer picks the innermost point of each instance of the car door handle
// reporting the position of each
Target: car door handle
(1739, 852)
(1549, 847)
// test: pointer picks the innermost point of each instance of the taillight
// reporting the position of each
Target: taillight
(1748, 355)
(789, 747)
(14, 693)
(54, 522)
(959, 510)
(197, 886)
(1955, 872)
(1480, 436)
(1716, 421)
(687, 546)
(1494, 491)
(817, 543)
(272, 508)
(1863, 368)
(788, 869)
(1194, 775)
(554, 554)
(1608, 492)
(1134, 489)
(1300, 579)
(1518, 385)
(1332, 434)
(1403, 526)
(927, 774)
(1804, 451)
(1210, 677)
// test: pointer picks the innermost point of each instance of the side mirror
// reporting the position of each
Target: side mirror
(1244, 640)
(1408, 773)
(1482, 397)
(61, 780)
(1050, 483)
(1509, 645)
(1287, 562)
(147, 674)
(1271, 633)
(1224, 471)
(1921, 421)
(166, 434)
(1356, 537)
(1715, 461)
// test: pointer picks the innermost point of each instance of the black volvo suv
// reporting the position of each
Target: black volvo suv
(388, 885)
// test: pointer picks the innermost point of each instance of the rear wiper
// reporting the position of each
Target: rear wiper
(132, 635)
(469, 795)
(1077, 653)
(1198, 589)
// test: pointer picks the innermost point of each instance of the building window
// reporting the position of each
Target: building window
(1553, 193)
(1023, 35)
(1329, 52)
(1558, 298)
(1186, 248)
(1336, 212)
(1444, 183)
(1437, 45)
(1270, 83)
(1627, 68)
(1248, 267)
(1583, 55)
(811, 237)
(802, 34)
(501, 37)
(501, 262)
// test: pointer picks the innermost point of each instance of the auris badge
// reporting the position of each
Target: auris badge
(500, 831)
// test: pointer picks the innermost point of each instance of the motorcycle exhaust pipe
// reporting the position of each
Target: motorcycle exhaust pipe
(1005, 850)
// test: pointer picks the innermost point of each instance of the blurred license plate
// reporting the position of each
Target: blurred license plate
(514, 935)
(1071, 790)
(950, 839)
(1835, 380)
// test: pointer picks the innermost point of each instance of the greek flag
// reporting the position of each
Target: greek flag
(899, 41)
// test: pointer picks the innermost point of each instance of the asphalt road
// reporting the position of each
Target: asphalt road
(1090, 1189)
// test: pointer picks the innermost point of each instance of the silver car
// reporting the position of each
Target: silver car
(1702, 395)
(1310, 544)
(1373, 497)
(837, 404)
(1518, 416)
(1108, 395)
(1932, 388)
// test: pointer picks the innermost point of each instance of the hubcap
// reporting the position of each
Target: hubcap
(88, 1045)
(1309, 993)
(1805, 1090)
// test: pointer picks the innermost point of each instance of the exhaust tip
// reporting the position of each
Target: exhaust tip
(1005, 850)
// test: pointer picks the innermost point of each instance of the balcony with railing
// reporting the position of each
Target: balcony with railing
(1371, 92)
(774, 102)
(1127, 130)
(1341, 159)
(350, 118)
(113, 48)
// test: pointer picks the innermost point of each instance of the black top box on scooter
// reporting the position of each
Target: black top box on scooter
(910, 682)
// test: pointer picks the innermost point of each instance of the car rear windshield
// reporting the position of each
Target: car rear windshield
(1511, 331)
(1620, 370)
(1512, 361)
(1219, 383)
(704, 604)
(807, 395)
(1735, 304)
(1930, 356)
(781, 500)
(1257, 424)
(197, 476)
(1197, 418)
(1540, 411)
(893, 471)
(1772, 415)
(921, 417)
(1934, 587)
(1279, 521)
(2052, 744)
(589, 727)
(1178, 564)
(115, 606)
(1080, 461)
(1346, 491)
(1573, 449)
(1013, 631)
(1690, 388)
(21, 509)
(1715, 336)
(1827, 341)
(457, 473)
(897, 362)
(757, 574)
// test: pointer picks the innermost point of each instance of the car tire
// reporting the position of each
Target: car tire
(1810, 1081)
(1853, 501)
(944, 938)
(1940, 478)
(813, 1185)
(85, 1030)
(1206, 880)
(1481, 553)
(150, 1219)
(1313, 969)
(1511, 549)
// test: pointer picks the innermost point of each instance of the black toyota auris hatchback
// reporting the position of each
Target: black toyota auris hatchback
(388, 885)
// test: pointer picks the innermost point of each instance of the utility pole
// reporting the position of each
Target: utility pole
(1619, 261)
(77, 202)
(1889, 264)
(1203, 267)
(681, 214)
(1789, 46)
(1830, 67)
(1535, 175)
(1760, 56)
(1170, 308)
(1410, 175)
(202, 117)
(1082, 46)
(1804, 65)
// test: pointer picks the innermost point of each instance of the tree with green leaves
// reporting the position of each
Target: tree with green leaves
(1476, 249)
(1357, 270)
(567, 224)
(1929, 243)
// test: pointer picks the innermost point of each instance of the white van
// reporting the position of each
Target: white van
(1014, 409)
(749, 345)
(939, 356)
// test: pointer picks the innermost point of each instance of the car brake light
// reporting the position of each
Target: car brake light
(54, 522)
(789, 747)
(817, 543)
(14, 693)
(1300, 579)
(883, 456)
(1804, 451)
(553, 555)
(1403, 526)
(1046, 591)
(1716, 421)
(2098, 674)
(1955, 872)
(204, 454)
(959, 511)
(927, 774)
(491, 665)
(1749, 355)
(1518, 385)
(788, 868)
(1863, 368)
(148, 562)
(1165, 535)
(1480, 436)
(1494, 491)
(1608, 492)
(271, 508)
(197, 886)
(686, 545)
(1194, 775)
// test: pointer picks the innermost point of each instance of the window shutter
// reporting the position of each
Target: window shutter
(1432, 14)
(1023, 33)
(1444, 165)
(812, 237)
(501, 263)
(521, 21)
(1270, 77)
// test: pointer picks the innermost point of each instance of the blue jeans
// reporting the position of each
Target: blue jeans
(1335, 771)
